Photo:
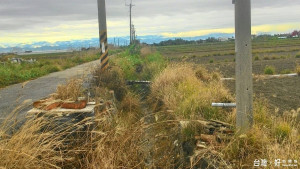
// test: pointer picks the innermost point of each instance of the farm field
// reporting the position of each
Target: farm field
(12, 73)
(283, 55)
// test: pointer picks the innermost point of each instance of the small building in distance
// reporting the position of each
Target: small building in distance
(223, 39)
(282, 37)
(16, 60)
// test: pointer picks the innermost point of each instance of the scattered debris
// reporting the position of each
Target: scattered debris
(19, 60)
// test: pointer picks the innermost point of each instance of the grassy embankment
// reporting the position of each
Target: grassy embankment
(12, 73)
(124, 138)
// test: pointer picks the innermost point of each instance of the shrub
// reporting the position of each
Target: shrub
(52, 68)
(298, 55)
(269, 70)
(266, 58)
(211, 61)
(256, 58)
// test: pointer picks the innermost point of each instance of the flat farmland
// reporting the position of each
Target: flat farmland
(283, 55)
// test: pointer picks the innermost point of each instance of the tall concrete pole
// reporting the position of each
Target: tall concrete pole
(244, 81)
(103, 34)
(130, 24)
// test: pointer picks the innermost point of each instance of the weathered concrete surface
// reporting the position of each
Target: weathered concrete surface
(244, 81)
(13, 96)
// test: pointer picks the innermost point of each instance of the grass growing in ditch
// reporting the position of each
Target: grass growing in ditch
(119, 139)
(138, 63)
(189, 92)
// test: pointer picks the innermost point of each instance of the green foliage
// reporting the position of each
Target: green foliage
(282, 57)
(298, 55)
(256, 58)
(11, 73)
(282, 131)
(137, 67)
(269, 70)
(262, 117)
(211, 61)
(286, 71)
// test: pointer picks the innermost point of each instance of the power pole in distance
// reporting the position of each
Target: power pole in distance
(102, 34)
(133, 34)
(244, 80)
(130, 9)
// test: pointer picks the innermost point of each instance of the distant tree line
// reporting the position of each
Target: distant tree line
(180, 41)
(263, 37)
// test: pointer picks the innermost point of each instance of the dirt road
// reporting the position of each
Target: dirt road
(15, 95)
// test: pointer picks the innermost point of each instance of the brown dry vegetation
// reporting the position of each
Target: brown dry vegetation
(271, 138)
(70, 91)
(130, 133)
(298, 70)
(189, 92)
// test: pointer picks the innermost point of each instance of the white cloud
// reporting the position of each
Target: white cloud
(35, 20)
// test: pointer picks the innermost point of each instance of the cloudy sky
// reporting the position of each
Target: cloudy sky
(26, 21)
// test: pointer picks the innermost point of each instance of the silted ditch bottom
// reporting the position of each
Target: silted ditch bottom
(161, 140)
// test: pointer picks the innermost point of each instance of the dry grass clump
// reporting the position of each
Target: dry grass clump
(41, 143)
(298, 70)
(70, 91)
(116, 146)
(271, 138)
(130, 109)
(112, 79)
(189, 92)
(146, 50)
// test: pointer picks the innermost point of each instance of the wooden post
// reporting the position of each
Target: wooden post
(244, 81)
(103, 34)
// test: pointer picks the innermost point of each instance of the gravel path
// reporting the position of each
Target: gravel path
(15, 95)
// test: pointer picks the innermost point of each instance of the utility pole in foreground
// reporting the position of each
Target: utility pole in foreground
(130, 9)
(102, 34)
(244, 80)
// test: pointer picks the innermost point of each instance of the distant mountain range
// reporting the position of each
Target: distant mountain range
(94, 42)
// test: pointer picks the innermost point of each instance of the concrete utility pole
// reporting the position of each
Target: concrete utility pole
(244, 81)
(133, 34)
(103, 34)
(130, 9)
